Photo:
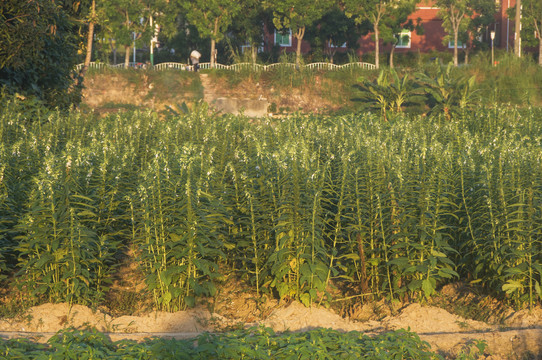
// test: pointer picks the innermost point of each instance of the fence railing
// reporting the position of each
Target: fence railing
(234, 67)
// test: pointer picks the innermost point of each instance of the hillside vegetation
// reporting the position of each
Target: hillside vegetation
(514, 81)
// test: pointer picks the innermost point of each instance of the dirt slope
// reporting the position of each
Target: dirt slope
(447, 333)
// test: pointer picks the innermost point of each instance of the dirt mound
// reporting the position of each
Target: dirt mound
(50, 318)
(111, 92)
(297, 317)
(191, 321)
(53, 317)
(525, 319)
(427, 319)
(447, 333)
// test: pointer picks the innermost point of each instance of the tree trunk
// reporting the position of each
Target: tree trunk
(299, 36)
(127, 47)
(517, 40)
(468, 47)
(113, 50)
(90, 37)
(213, 44)
(391, 55)
(539, 49)
(456, 62)
(377, 46)
(213, 49)
(254, 50)
(127, 56)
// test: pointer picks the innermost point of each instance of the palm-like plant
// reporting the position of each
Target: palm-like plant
(390, 93)
(447, 93)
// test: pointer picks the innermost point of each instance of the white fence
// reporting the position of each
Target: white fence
(234, 67)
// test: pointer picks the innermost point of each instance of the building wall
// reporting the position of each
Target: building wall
(433, 35)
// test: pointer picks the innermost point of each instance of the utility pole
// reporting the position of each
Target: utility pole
(517, 29)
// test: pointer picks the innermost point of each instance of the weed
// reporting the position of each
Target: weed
(256, 343)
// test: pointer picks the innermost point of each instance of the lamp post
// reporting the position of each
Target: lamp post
(492, 35)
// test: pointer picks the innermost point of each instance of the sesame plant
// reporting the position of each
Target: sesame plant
(312, 208)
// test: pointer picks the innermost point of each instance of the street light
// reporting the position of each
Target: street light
(492, 35)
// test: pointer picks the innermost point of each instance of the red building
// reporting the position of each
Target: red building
(432, 38)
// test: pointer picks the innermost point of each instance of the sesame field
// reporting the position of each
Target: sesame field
(323, 211)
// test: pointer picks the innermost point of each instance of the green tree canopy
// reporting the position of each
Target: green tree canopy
(296, 15)
(248, 25)
(211, 17)
(375, 11)
(532, 25)
(128, 21)
(396, 21)
(333, 30)
(38, 52)
(458, 15)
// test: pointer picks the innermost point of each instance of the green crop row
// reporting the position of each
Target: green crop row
(253, 343)
(297, 206)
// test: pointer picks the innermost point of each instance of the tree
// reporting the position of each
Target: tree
(484, 16)
(374, 11)
(532, 18)
(396, 21)
(92, 19)
(248, 25)
(177, 34)
(296, 15)
(333, 30)
(517, 28)
(211, 17)
(459, 15)
(456, 15)
(127, 22)
(38, 52)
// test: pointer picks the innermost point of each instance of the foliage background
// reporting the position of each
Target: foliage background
(38, 49)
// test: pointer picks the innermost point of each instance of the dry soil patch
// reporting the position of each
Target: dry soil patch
(445, 332)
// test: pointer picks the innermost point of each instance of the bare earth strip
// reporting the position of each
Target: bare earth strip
(446, 333)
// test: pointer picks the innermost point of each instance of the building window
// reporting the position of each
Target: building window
(283, 39)
(460, 44)
(403, 39)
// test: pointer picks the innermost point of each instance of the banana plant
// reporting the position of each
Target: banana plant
(448, 93)
(391, 93)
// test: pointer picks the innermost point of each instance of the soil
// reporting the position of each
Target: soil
(517, 336)
(311, 97)
(112, 92)
(107, 93)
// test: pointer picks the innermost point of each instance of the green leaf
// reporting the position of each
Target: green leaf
(511, 286)
(190, 301)
(166, 298)
(437, 253)
(305, 299)
(428, 287)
